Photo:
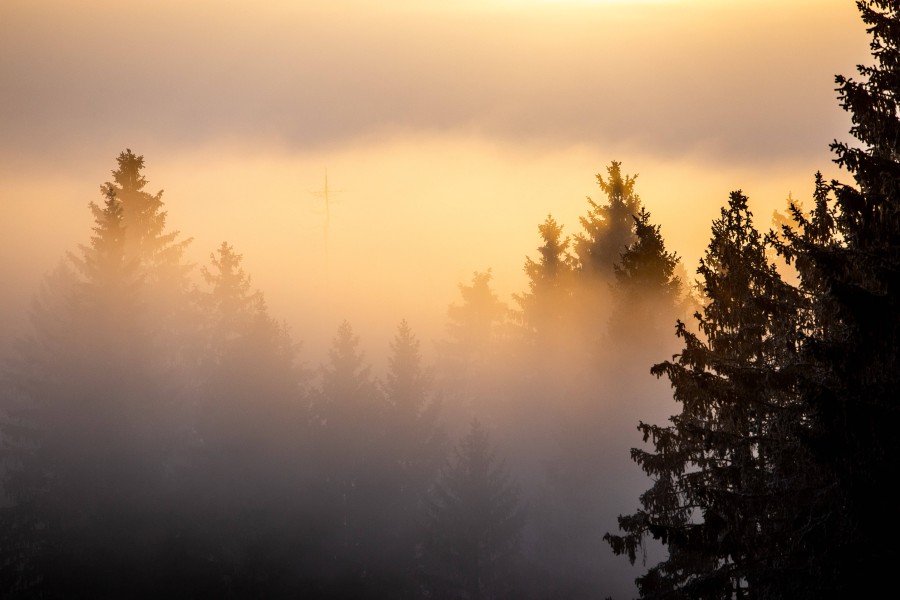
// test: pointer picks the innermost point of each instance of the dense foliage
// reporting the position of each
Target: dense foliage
(161, 436)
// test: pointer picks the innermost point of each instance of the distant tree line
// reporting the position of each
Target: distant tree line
(161, 438)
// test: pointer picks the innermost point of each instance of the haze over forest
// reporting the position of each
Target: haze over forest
(388, 330)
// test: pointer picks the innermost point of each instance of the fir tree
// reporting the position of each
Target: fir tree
(412, 447)
(608, 227)
(647, 290)
(473, 525)
(91, 428)
(546, 308)
(847, 254)
(728, 471)
(348, 419)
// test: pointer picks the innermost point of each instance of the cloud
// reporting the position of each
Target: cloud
(733, 82)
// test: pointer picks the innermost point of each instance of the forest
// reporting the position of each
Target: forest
(163, 435)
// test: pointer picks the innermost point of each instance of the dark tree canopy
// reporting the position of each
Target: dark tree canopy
(772, 480)
(727, 470)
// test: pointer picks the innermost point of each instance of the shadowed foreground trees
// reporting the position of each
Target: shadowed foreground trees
(772, 481)
(728, 470)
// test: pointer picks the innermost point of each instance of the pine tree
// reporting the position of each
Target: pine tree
(91, 429)
(731, 468)
(847, 254)
(473, 522)
(157, 252)
(131, 236)
(647, 289)
(349, 417)
(412, 412)
(412, 447)
(608, 227)
(251, 421)
(476, 337)
(475, 326)
(546, 308)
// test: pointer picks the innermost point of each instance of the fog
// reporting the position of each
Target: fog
(256, 385)
(425, 213)
(236, 389)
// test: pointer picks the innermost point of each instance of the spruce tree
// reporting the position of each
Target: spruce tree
(91, 425)
(646, 290)
(546, 308)
(250, 419)
(473, 525)
(348, 420)
(608, 227)
(731, 468)
(847, 254)
(412, 450)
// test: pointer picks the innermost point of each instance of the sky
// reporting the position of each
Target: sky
(448, 131)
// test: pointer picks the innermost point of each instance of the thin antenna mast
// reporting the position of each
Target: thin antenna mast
(325, 193)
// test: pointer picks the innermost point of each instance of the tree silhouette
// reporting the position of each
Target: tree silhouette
(646, 290)
(91, 426)
(348, 413)
(771, 482)
(847, 254)
(474, 326)
(608, 227)
(470, 358)
(412, 450)
(473, 525)
(728, 469)
(251, 420)
(546, 308)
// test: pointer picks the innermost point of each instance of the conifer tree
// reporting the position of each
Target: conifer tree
(647, 289)
(728, 470)
(608, 227)
(412, 412)
(476, 333)
(473, 525)
(91, 428)
(348, 417)
(847, 254)
(546, 308)
(475, 325)
(413, 447)
(251, 423)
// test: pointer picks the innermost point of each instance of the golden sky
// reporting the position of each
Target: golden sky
(451, 129)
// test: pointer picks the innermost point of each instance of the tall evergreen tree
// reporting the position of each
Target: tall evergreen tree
(472, 356)
(474, 326)
(546, 308)
(473, 522)
(608, 227)
(728, 470)
(412, 425)
(413, 448)
(848, 258)
(251, 421)
(647, 290)
(91, 427)
(348, 414)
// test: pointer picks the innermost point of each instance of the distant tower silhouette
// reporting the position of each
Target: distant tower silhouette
(325, 193)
